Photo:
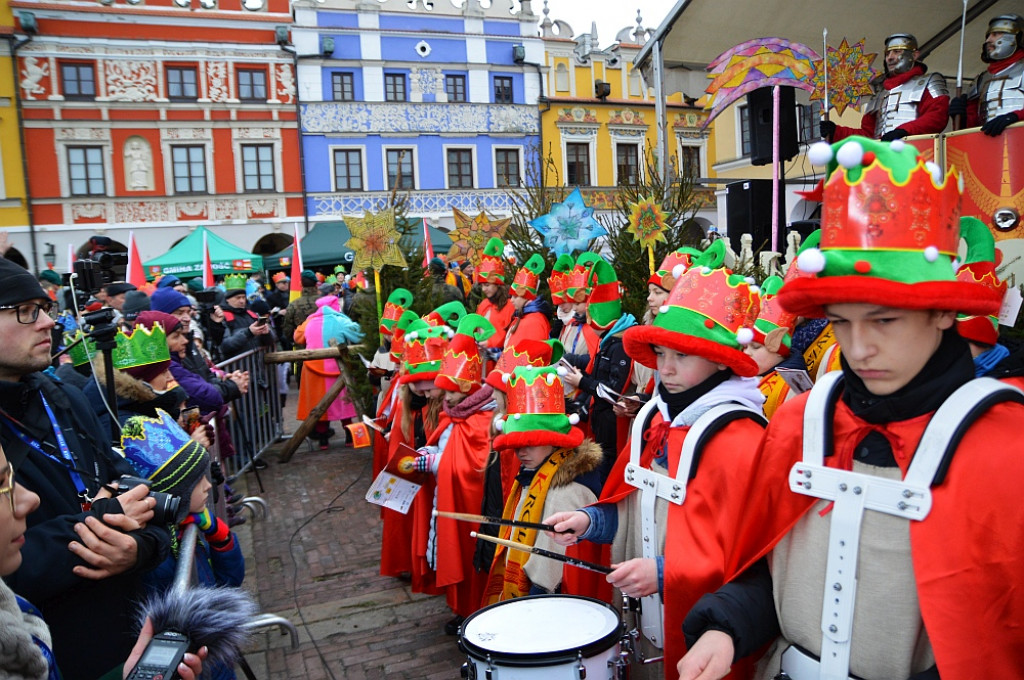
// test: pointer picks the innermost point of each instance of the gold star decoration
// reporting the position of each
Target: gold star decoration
(471, 234)
(375, 241)
(647, 222)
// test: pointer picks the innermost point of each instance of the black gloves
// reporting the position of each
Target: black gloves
(893, 134)
(827, 129)
(958, 106)
(995, 127)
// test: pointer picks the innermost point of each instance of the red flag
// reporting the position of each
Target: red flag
(136, 275)
(428, 247)
(207, 264)
(295, 285)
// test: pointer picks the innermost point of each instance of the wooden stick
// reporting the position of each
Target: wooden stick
(582, 564)
(303, 430)
(483, 519)
(308, 354)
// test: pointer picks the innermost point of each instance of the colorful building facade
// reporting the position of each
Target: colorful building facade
(13, 206)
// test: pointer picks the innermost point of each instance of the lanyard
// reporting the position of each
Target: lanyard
(68, 461)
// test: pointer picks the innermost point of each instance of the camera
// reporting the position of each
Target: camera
(166, 508)
(162, 656)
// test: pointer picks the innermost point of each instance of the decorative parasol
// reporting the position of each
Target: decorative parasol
(849, 76)
(570, 225)
(375, 243)
(471, 234)
(647, 224)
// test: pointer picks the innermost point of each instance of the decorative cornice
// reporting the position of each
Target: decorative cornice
(418, 118)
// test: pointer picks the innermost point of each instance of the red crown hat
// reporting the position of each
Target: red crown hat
(982, 258)
(558, 282)
(449, 314)
(526, 352)
(492, 267)
(672, 267)
(462, 366)
(397, 303)
(278, 277)
(774, 325)
(536, 411)
(527, 280)
(578, 289)
(424, 350)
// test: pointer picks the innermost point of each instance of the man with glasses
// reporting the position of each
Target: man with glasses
(84, 551)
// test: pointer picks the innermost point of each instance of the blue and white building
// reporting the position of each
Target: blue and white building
(438, 99)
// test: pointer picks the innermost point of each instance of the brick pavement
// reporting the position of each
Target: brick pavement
(324, 569)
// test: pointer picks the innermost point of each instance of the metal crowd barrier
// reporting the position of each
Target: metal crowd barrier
(255, 422)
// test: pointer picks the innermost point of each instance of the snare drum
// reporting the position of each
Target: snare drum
(547, 637)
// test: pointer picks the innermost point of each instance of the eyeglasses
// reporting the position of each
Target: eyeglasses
(9, 487)
(28, 312)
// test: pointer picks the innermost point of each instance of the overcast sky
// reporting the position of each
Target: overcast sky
(611, 15)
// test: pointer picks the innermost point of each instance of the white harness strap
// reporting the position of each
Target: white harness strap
(653, 485)
(853, 492)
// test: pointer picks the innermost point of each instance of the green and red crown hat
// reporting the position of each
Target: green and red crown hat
(889, 234)
(709, 313)
(449, 314)
(535, 398)
(397, 303)
(774, 325)
(492, 263)
(527, 280)
(558, 282)
(424, 350)
(398, 334)
(979, 267)
(578, 289)
(672, 267)
(526, 352)
(604, 304)
(812, 241)
(462, 367)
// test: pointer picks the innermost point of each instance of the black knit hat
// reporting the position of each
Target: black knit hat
(17, 284)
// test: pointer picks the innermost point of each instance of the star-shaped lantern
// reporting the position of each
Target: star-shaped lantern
(570, 225)
(647, 222)
(471, 234)
(849, 75)
(375, 241)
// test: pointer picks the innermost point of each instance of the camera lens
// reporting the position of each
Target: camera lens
(166, 509)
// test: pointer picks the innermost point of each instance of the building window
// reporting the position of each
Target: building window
(455, 88)
(348, 170)
(506, 164)
(460, 169)
(85, 169)
(809, 115)
(577, 164)
(561, 78)
(188, 167)
(627, 164)
(689, 165)
(400, 166)
(78, 80)
(181, 83)
(394, 87)
(502, 90)
(252, 84)
(258, 167)
(342, 89)
(744, 131)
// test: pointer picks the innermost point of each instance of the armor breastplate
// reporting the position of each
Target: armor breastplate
(893, 108)
(1001, 92)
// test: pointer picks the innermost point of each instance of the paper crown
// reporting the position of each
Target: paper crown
(449, 314)
(160, 451)
(673, 266)
(492, 267)
(141, 347)
(424, 350)
(604, 304)
(535, 399)
(398, 334)
(279, 277)
(526, 352)
(527, 279)
(235, 282)
(340, 269)
(979, 268)
(397, 303)
(709, 313)
(774, 325)
(558, 282)
(889, 234)
(578, 288)
(462, 366)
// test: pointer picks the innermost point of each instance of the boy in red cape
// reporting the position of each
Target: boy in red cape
(671, 518)
(496, 306)
(532, 317)
(891, 553)
(456, 454)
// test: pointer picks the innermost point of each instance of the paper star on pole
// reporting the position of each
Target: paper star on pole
(570, 225)
(647, 222)
(375, 241)
(849, 75)
(471, 234)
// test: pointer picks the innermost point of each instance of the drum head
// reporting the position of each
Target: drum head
(541, 627)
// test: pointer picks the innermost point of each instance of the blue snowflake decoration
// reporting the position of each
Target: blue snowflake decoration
(570, 226)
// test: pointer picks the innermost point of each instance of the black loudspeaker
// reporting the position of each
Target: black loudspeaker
(760, 106)
(748, 206)
(804, 227)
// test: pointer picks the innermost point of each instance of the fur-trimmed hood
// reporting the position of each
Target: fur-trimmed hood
(127, 387)
(585, 458)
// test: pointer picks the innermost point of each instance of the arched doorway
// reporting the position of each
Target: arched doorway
(271, 243)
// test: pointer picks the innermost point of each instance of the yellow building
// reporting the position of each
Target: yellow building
(13, 206)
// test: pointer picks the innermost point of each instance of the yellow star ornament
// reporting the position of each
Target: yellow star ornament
(375, 241)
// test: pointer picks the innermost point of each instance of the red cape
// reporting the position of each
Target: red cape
(499, 318)
(967, 552)
(533, 326)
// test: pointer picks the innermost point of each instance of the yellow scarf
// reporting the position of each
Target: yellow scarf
(508, 577)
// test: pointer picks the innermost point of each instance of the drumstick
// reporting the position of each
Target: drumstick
(559, 557)
(482, 519)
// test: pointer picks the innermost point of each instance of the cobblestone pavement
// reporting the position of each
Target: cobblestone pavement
(315, 561)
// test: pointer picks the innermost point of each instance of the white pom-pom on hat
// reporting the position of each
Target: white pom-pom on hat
(562, 371)
(811, 261)
(678, 270)
(505, 377)
(897, 145)
(960, 183)
(820, 153)
(412, 336)
(499, 424)
(518, 416)
(662, 309)
(931, 253)
(937, 175)
(574, 419)
(850, 155)
(744, 336)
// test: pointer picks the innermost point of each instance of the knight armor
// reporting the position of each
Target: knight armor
(1001, 92)
(893, 108)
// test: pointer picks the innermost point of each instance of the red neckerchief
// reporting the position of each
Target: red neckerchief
(997, 66)
(900, 78)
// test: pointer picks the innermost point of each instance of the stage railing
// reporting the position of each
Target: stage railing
(255, 422)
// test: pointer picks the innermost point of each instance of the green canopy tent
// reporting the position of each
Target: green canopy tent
(324, 245)
(186, 258)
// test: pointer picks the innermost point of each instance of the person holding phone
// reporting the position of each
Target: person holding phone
(243, 330)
